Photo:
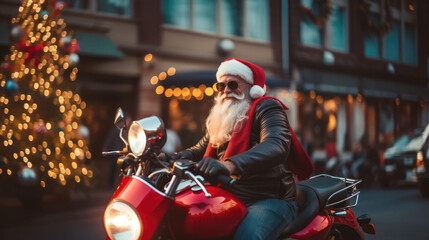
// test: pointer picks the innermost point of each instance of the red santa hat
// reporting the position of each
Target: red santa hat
(249, 72)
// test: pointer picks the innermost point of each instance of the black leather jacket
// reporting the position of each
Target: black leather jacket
(263, 168)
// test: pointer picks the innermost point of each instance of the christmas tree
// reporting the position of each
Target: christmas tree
(42, 145)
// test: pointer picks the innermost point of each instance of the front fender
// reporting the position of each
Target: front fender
(150, 204)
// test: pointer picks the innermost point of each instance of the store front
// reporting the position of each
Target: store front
(351, 110)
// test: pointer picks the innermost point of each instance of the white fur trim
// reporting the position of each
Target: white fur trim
(256, 91)
(234, 67)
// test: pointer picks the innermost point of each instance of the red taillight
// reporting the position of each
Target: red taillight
(382, 159)
(420, 161)
(368, 228)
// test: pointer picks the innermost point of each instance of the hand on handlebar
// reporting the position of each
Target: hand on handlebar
(169, 158)
(211, 168)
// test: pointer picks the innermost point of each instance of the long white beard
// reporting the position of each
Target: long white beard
(226, 117)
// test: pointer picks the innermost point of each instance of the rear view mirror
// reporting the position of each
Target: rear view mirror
(120, 119)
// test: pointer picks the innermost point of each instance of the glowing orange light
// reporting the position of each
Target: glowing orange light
(159, 90)
(169, 92)
(177, 92)
(209, 91)
(154, 80)
(171, 71)
(162, 76)
(350, 98)
(148, 57)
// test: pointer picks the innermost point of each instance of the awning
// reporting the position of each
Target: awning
(327, 82)
(97, 45)
(377, 88)
(97, 82)
(333, 83)
(4, 34)
(208, 78)
(385, 89)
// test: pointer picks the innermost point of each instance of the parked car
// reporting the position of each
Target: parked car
(422, 165)
(398, 163)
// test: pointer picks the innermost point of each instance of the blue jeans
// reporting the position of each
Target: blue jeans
(266, 219)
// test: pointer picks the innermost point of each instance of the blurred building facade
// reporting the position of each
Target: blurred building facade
(349, 70)
(361, 67)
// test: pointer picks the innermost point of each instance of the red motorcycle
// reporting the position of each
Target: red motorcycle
(159, 200)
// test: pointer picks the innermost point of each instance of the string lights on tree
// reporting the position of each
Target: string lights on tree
(42, 142)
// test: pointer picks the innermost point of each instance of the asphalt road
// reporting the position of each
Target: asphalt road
(82, 225)
(399, 213)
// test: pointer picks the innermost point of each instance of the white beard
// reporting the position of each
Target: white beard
(226, 117)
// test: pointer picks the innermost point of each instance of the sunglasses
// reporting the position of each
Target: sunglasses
(220, 86)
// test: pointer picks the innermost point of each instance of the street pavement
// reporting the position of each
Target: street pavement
(77, 217)
(398, 213)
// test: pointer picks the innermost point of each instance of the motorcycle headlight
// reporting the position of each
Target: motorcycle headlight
(137, 138)
(122, 222)
(146, 134)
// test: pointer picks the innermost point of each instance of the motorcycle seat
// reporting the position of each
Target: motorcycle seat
(311, 196)
(325, 187)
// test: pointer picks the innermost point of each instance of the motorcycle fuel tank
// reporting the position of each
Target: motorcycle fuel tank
(193, 216)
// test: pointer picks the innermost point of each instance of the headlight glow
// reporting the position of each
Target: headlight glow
(137, 139)
(122, 222)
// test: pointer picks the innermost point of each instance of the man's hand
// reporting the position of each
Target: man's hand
(165, 157)
(210, 167)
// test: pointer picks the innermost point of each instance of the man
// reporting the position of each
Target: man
(248, 137)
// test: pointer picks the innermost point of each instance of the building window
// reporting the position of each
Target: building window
(231, 16)
(174, 10)
(257, 20)
(77, 4)
(324, 24)
(391, 33)
(372, 42)
(115, 7)
(248, 19)
(204, 13)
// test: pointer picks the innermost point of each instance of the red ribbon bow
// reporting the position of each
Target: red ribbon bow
(32, 51)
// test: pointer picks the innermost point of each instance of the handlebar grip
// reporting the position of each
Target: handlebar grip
(225, 180)
(113, 153)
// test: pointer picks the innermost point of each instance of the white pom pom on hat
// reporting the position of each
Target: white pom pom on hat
(249, 72)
